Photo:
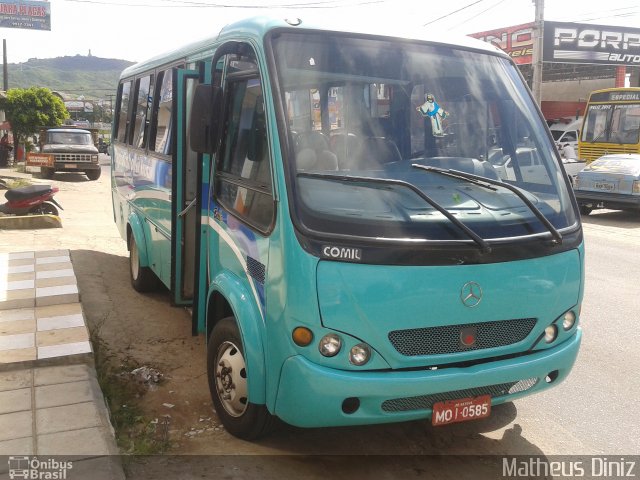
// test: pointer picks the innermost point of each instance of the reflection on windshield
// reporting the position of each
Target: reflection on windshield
(372, 108)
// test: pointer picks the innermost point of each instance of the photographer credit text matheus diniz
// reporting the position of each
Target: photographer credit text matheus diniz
(570, 466)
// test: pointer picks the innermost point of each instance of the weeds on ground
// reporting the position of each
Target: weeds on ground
(15, 183)
(135, 434)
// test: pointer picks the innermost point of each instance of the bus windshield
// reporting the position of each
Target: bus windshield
(612, 123)
(371, 108)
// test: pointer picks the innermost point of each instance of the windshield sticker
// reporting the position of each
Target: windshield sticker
(435, 112)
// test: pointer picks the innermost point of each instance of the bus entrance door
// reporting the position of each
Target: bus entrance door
(186, 178)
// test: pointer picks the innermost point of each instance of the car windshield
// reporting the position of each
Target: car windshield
(371, 108)
(69, 138)
(557, 134)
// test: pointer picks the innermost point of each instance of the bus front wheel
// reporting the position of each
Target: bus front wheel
(227, 374)
(142, 278)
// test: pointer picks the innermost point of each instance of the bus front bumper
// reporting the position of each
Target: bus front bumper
(310, 395)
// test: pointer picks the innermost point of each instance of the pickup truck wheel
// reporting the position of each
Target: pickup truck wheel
(93, 174)
(585, 210)
(142, 278)
(46, 172)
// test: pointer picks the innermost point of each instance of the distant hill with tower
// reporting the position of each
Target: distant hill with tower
(76, 76)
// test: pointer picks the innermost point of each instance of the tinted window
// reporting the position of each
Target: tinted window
(161, 136)
(123, 110)
(144, 94)
(244, 179)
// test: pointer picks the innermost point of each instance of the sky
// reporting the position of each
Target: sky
(138, 29)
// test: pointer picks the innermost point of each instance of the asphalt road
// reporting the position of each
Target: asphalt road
(594, 412)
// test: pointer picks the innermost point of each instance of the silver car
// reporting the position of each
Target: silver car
(611, 181)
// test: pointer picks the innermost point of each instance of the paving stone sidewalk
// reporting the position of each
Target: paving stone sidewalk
(50, 400)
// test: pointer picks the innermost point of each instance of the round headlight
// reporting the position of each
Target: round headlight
(569, 320)
(360, 354)
(330, 345)
(550, 333)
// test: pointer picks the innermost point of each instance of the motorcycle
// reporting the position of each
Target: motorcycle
(103, 148)
(30, 200)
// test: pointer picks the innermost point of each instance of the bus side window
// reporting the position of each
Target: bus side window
(244, 172)
(144, 94)
(160, 135)
(124, 93)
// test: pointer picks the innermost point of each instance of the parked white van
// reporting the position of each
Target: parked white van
(564, 133)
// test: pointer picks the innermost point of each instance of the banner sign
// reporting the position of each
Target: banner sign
(516, 41)
(40, 160)
(585, 43)
(617, 96)
(31, 15)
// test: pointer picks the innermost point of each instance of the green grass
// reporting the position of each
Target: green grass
(135, 433)
(17, 182)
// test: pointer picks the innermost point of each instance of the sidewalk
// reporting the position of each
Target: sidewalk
(50, 400)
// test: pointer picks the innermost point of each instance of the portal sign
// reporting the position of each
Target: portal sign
(585, 43)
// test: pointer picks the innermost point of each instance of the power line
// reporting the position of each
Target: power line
(480, 13)
(187, 3)
(451, 13)
(629, 14)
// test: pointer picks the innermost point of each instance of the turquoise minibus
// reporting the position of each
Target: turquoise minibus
(368, 225)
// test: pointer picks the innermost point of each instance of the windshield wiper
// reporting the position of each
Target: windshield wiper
(486, 183)
(486, 248)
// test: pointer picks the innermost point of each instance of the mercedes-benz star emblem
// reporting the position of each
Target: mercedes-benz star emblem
(471, 294)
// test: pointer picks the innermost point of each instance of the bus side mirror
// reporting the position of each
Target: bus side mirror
(205, 113)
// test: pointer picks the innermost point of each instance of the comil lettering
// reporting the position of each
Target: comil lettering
(342, 253)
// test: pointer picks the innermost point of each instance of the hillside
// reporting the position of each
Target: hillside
(89, 76)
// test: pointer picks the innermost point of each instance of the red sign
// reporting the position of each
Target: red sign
(40, 160)
(516, 41)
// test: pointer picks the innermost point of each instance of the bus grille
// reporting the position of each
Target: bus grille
(425, 402)
(446, 339)
(74, 157)
(593, 152)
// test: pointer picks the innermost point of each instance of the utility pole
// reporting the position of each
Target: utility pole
(5, 68)
(536, 85)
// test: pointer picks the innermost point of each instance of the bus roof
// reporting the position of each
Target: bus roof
(257, 27)
(616, 89)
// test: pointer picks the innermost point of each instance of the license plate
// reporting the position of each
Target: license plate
(461, 410)
(70, 165)
(603, 186)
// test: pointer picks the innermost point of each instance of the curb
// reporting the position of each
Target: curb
(29, 222)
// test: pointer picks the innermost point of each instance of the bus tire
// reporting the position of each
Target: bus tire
(142, 278)
(226, 372)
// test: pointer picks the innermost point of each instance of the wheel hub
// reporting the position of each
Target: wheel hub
(231, 381)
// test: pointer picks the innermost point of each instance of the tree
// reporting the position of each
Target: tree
(29, 109)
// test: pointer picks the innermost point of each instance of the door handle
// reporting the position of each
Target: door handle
(188, 207)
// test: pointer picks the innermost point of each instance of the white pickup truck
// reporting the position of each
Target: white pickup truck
(73, 150)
